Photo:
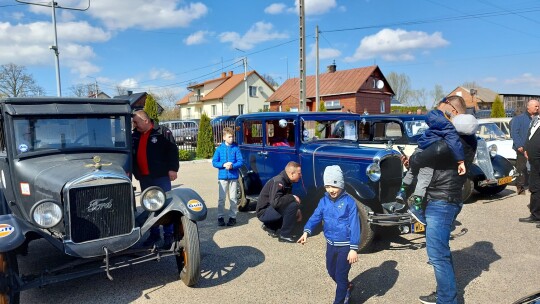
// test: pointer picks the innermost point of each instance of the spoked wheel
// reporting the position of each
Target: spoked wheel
(9, 271)
(189, 258)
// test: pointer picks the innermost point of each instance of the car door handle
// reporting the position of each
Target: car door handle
(263, 153)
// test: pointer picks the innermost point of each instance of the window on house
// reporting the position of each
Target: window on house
(332, 104)
(252, 91)
(240, 109)
(214, 110)
(382, 106)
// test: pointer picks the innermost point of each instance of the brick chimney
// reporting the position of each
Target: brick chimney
(230, 73)
(129, 93)
(223, 74)
(331, 68)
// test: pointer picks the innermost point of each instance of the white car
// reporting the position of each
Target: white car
(502, 122)
(492, 134)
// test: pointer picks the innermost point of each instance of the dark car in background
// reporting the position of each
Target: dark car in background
(269, 140)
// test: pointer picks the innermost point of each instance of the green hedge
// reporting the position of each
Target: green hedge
(186, 155)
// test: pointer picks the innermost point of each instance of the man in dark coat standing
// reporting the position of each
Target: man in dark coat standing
(519, 128)
(532, 152)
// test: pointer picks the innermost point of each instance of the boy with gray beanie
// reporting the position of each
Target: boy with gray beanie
(440, 128)
(341, 229)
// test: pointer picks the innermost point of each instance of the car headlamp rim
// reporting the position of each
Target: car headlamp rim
(47, 213)
(153, 198)
(373, 171)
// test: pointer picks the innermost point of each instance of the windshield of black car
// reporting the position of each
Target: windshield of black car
(79, 132)
(415, 127)
(490, 131)
(329, 129)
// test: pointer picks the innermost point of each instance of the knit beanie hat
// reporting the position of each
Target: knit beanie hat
(465, 124)
(333, 176)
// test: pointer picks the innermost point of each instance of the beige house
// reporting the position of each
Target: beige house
(226, 95)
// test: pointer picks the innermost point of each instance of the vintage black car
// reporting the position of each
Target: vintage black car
(269, 140)
(490, 173)
(65, 167)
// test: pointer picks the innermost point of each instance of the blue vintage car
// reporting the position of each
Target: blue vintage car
(269, 140)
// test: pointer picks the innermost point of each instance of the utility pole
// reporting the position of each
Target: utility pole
(246, 84)
(317, 97)
(54, 47)
(302, 99)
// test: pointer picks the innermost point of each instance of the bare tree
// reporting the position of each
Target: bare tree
(437, 94)
(271, 81)
(420, 97)
(401, 85)
(121, 90)
(470, 85)
(16, 82)
(83, 89)
(167, 98)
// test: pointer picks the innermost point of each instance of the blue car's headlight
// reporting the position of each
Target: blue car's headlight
(153, 198)
(47, 214)
(373, 171)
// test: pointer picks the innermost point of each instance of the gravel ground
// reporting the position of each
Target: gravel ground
(496, 260)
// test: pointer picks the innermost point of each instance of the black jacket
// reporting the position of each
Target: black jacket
(446, 184)
(276, 193)
(161, 152)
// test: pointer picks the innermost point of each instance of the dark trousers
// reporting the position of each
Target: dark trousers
(164, 183)
(521, 167)
(284, 218)
(338, 268)
(534, 187)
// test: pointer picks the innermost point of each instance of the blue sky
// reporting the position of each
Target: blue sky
(163, 45)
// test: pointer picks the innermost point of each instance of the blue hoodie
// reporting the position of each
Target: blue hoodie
(227, 153)
(341, 223)
(440, 128)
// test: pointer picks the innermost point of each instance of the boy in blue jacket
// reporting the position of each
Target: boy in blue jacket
(341, 229)
(227, 159)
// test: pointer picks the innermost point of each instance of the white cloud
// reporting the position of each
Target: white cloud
(28, 44)
(525, 79)
(396, 45)
(275, 8)
(129, 83)
(315, 7)
(258, 33)
(324, 53)
(146, 14)
(198, 37)
(161, 74)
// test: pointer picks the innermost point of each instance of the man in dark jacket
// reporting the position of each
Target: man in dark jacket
(155, 163)
(277, 207)
(443, 203)
(532, 152)
(519, 128)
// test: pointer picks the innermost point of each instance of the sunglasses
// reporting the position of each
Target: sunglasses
(446, 101)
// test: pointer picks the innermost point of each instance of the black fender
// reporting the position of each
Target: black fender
(12, 232)
(364, 193)
(180, 202)
(251, 181)
(501, 166)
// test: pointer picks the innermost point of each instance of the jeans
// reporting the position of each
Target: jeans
(440, 216)
(338, 268)
(164, 183)
(229, 185)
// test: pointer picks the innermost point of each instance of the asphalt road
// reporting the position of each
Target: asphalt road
(496, 261)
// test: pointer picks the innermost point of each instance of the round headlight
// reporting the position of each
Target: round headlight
(373, 171)
(47, 214)
(492, 150)
(153, 198)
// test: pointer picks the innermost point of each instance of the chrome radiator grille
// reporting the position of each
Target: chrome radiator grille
(391, 173)
(100, 211)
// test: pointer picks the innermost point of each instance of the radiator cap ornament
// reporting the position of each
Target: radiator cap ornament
(97, 163)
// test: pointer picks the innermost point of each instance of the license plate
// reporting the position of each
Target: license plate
(417, 227)
(505, 180)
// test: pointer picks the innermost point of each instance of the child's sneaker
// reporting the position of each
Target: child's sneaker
(415, 209)
(401, 196)
(349, 293)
